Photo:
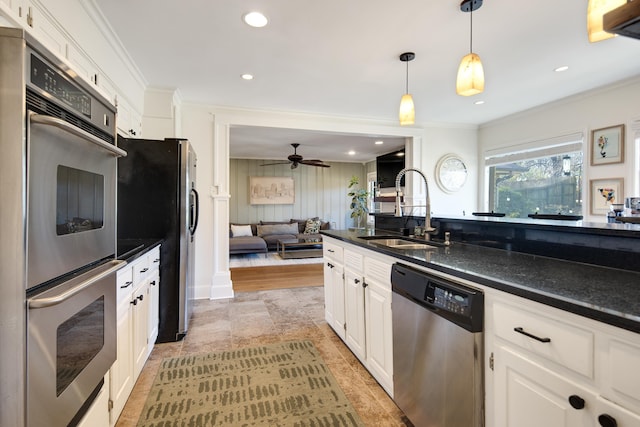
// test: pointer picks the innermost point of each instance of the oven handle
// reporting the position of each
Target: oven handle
(61, 124)
(103, 271)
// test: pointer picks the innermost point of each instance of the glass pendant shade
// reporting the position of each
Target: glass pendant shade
(595, 10)
(407, 113)
(470, 79)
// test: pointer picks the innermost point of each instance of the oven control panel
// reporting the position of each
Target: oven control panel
(56, 85)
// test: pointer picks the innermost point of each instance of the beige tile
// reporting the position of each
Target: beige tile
(264, 317)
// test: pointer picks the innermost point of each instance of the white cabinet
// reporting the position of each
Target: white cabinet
(354, 308)
(366, 296)
(98, 413)
(121, 374)
(129, 121)
(334, 305)
(137, 326)
(154, 296)
(379, 332)
(558, 369)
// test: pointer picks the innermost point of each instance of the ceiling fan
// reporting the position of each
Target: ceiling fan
(296, 159)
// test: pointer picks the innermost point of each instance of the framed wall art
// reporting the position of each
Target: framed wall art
(604, 193)
(271, 190)
(607, 145)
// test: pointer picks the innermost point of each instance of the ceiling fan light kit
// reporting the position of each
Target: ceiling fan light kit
(595, 11)
(470, 80)
(296, 159)
(407, 114)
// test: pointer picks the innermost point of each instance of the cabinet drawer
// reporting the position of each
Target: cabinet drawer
(124, 282)
(378, 270)
(567, 345)
(353, 261)
(140, 269)
(332, 251)
(153, 259)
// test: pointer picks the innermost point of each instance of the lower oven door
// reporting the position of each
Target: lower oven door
(71, 345)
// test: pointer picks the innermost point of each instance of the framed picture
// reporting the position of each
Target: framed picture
(271, 190)
(607, 145)
(604, 193)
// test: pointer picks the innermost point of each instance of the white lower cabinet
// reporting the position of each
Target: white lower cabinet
(137, 326)
(354, 289)
(334, 304)
(98, 415)
(556, 369)
(366, 292)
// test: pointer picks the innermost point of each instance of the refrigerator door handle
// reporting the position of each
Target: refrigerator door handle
(195, 211)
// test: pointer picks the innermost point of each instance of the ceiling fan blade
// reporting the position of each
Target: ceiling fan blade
(319, 163)
(276, 163)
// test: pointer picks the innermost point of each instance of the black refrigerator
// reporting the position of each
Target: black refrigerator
(157, 199)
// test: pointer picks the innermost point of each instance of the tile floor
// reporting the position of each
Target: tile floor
(253, 318)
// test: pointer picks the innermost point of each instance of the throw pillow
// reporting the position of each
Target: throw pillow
(280, 229)
(241, 230)
(312, 226)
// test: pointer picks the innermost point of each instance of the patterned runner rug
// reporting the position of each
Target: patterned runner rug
(283, 384)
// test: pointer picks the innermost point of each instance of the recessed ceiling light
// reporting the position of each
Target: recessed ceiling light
(255, 19)
(379, 142)
(247, 76)
(351, 153)
(479, 102)
(561, 69)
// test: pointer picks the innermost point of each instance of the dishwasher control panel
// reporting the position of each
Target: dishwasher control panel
(459, 303)
(448, 299)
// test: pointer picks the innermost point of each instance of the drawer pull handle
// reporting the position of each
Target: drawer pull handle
(356, 281)
(576, 402)
(523, 332)
(144, 270)
(330, 250)
(330, 265)
(126, 285)
(607, 420)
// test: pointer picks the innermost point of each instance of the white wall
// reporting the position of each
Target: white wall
(608, 106)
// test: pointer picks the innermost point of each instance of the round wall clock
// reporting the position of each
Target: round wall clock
(451, 173)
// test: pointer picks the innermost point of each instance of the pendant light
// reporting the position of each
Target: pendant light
(470, 79)
(407, 113)
(595, 11)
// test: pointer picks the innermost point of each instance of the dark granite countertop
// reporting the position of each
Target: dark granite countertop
(130, 249)
(604, 294)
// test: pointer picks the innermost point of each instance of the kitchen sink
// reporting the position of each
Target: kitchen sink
(396, 243)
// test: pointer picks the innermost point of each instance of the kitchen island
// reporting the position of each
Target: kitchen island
(604, 294)
(561, 337)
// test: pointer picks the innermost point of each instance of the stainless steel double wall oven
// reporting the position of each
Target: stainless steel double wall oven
(59, 134)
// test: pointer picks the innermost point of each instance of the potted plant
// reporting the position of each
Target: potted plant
(358, 200)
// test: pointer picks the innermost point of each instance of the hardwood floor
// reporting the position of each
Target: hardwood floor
(247, 279)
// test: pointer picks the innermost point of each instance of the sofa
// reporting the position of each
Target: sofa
(263, 236)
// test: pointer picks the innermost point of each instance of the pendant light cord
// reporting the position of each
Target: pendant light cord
(471, 33)
(407, 80)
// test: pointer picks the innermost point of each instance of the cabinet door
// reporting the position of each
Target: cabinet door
(154, 308)
(608, 414)
(98, 413)
(328, 291)
(121, 374)
(337, 283)
(528, 395)
(379, 331)
(354, 313)
(140, 302)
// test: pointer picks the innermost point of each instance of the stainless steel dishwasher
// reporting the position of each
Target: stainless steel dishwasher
(437, 349)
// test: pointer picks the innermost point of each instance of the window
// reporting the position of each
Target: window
(543, 177)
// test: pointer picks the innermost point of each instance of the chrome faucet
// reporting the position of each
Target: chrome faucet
(398, 211)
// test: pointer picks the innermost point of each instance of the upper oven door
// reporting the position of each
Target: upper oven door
(71, 198)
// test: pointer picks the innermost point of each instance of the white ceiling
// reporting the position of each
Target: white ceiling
(337, 57)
